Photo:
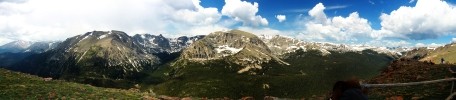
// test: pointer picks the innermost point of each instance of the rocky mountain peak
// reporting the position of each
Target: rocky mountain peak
(105, 39)
(236, 46)
(180, 43)
(20, 44)
(101, 54)
(39, 47)
(282, 44)
(153, 43)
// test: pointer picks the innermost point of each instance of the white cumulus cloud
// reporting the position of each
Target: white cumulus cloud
(199, 15)
(281, 18)
(244, 12)
(427, 19)
(322, 28)
(318, 14)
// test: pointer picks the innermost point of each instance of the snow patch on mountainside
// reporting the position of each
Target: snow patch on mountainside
(82, 56)
(102, 36)
(225, 48)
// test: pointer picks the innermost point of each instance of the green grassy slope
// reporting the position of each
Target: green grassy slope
(310, 75)
(15, 85)
(447, 52)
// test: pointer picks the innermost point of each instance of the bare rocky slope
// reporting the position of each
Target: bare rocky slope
(97, 54)
(239, 47)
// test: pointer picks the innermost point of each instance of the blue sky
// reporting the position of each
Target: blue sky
(370, 22)
(368, 9)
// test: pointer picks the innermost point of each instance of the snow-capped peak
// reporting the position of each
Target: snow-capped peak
(18, 44)
(28, 46)
(283, 44)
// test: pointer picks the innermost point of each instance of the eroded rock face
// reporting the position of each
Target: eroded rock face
(235, 46)
(103, 54)
(114, 48)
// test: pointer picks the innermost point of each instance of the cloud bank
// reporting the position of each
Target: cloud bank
(56, 19)
(428, 19)
(49, 20)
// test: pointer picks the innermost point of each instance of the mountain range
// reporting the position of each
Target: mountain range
(200, 66)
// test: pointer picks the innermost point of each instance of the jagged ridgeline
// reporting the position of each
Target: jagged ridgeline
(103, 58)
(235, 64)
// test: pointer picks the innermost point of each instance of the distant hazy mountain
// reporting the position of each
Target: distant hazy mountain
(27, 46)
(16, 51)
(39, 47)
